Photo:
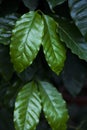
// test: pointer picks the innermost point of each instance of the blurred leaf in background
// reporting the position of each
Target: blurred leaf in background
(78, 10)
(74, 74)
(6, 25)
(31, 4)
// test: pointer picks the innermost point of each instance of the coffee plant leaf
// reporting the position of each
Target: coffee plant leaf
(54, 107)
(78, 10)
(26, 40)
(6, 25)
(54, 50)
(72, 37)
(27, 107)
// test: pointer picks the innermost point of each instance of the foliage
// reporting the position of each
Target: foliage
(24, 47)
(74, 41)
(57, 113)
(27, 107)
(43, 50)
(79, 14)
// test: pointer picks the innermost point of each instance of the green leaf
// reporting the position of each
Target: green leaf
(54, 3)
(6, 25)
(31, 4)
(26, 40)
(27, 108)
(70, 34)
(79, 14)
(54, 50)
(54, 106)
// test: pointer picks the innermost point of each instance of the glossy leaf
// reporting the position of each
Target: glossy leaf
(79, 14)
(6, 25)
(54, 106)
(31, 4)
(70, 34)
(53, 3)
(27, 108)
(54, 50)
(26, 40)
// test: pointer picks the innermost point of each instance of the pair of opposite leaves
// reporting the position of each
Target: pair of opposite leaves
(31, 31)
(34, 97)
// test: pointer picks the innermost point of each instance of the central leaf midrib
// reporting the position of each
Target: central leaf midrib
(27, 106)
(32, 21)
(47, 26)
(50, 100)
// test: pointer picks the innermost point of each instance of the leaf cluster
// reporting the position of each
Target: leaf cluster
(41, 41)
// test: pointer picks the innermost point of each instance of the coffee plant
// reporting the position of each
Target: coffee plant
(43, 63)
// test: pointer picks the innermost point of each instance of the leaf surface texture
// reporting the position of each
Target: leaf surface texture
(54, 106)
(54, 51)
(27, 108)
(26, 40)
